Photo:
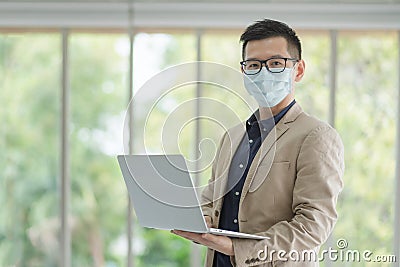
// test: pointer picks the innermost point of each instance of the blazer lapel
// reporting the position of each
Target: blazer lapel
(266, 153)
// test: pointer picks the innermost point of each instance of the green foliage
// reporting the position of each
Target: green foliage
(98, 194)
(366, 121)
(312, 92)
(163, 249)
(29, 158)
(30, 67)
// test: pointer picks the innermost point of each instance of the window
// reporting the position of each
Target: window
(29, 161)
(366, 119)
(366, 97)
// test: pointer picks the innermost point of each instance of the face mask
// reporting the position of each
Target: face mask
(269, 89)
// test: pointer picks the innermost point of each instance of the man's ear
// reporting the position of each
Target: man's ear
(241, 69)
(300, 69)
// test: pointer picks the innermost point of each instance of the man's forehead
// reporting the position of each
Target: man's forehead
(273, 46)
(278, 40)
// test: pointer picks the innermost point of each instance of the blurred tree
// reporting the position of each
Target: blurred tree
(98, 195)
(29, 139)
(366, 120)
(29, 82)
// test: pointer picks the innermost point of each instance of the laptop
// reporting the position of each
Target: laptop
(163, 195)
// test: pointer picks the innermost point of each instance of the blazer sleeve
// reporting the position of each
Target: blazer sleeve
(320, 168)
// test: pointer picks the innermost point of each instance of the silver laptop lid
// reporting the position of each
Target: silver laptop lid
(162, 192)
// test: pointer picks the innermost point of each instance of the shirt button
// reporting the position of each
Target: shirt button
(235, 220)
(237, 193)
(241, 165)
(265, 129)
(251, 141)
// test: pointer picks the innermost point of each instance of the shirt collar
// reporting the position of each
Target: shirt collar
(254, 117)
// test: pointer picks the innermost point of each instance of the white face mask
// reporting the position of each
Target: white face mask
(269, 89)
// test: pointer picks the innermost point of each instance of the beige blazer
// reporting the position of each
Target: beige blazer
(289, 195)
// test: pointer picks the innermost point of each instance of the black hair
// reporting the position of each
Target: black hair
(268, 28)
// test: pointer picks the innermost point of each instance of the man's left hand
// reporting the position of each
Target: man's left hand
(222, 244)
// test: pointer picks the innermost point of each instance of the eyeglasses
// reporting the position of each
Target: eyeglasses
(274, 65)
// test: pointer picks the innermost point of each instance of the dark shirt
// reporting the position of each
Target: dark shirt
(240, 165)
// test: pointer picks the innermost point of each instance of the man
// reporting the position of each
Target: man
(285, 187)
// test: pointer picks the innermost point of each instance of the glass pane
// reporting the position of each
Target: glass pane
(366, 119)
(312, 92)
(158, 100)
(29, 145)
(98, 69)
(163, 108)
(231, 103)
(222, 48)
(153, 52)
